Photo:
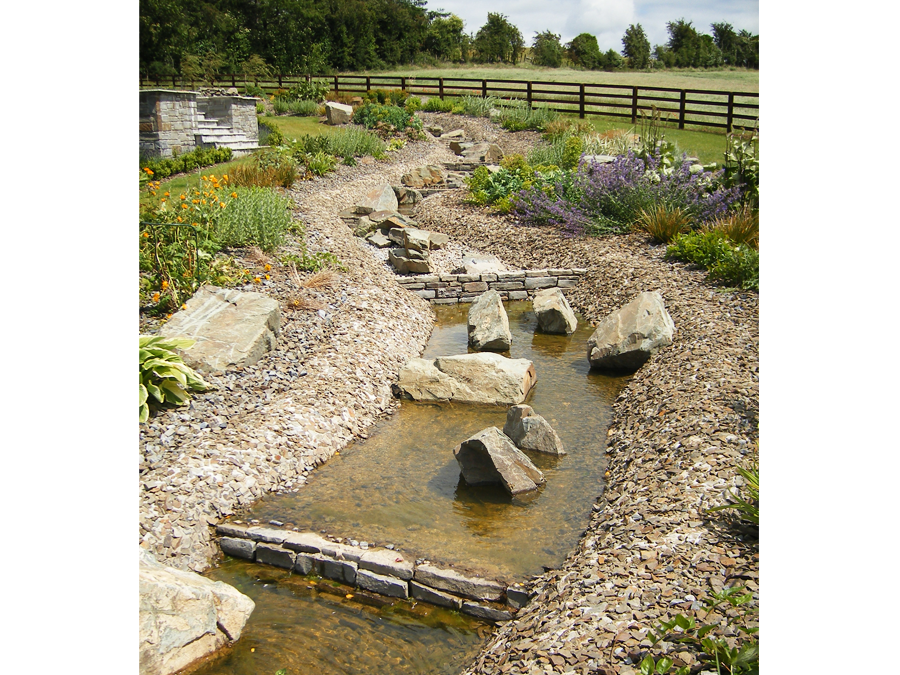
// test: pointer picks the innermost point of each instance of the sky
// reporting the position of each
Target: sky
(606, 19)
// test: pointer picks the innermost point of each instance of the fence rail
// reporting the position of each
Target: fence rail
(727, 110)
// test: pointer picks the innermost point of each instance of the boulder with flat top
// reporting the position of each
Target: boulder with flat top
(628, 337)
(488, 324)
(490, 457)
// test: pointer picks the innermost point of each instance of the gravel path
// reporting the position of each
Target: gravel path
(680, 426)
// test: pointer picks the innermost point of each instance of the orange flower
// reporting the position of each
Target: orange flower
(185, 206)
(179, 219)
(165, 284)
(183, 306)
(222, 204)
(145, 235)
(234, 195)
(166, 193)
(183, 197)
(268, 267)
(152, 193)
(257, 280)
(156, 297)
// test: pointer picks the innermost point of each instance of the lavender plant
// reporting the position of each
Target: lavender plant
(608, 198)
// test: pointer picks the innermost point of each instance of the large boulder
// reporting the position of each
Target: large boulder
(232, 328)
(381, 198)
(490, 153)
(490, 457)
(625, 339)
(488, 324)
(337, 113)
(184, 617)
(530, 431)
(553, 312)
(414, 238)
(469, 378)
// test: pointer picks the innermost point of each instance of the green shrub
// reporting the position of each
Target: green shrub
(371, 115)
(728, 263)
(256, 217)
(270, 135)
(260, 108)
(476, 106)
(320, 163)
(518, 117)
(165, 167)
(740, 226)
(312, 262)
(412, 104)
(434, 104)
(254, 90)
(303, 107)
(346, 142)
(304, 91)
(163, 375)
(747, 507)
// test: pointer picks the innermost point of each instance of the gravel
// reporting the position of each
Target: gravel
(681, 424)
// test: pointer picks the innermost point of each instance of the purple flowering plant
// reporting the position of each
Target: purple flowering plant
(607, 198)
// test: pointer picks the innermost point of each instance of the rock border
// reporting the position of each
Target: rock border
(449, 289)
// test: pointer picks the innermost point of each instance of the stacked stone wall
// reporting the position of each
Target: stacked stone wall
(168, 122)
(448, 289)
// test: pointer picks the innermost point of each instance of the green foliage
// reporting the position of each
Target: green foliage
(446, 39)
(254, 90)
(738, 49)
(165, 167)
(347, 142)
(740, 226)
(372, 115)
(312, 262)
(747, 507)
(164, 379)
(689, 48)
(320, 163)
(636, 47)
(518, 116)
(572, 150)
(742, 165)
(714, 652)
(498, 41)
(304, 107)
(270, 135)
(475, 106)
(434, 104)
(584, 51)
(256, 217)
(313, 91)
(396, 97)
(496, 188)
(728, 263)
(256, 67)
(546, 50)
(412, 104)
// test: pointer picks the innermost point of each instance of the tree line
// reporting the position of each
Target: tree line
(203, 40)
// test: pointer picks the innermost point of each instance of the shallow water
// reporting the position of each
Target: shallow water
(310, 626)
(403, 485)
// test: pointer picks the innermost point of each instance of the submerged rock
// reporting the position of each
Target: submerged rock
(490, 457)
(553, 312)
(184, 617)
(488, 324)
(468, 378)
(530, 431)
(628, 337)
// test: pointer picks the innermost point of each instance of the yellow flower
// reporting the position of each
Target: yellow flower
(156, 297)
(145, 235)
(234, 195)
(222, 204)
(268, 267)
(165, 284)
(267, 276)
(185, 206)
(257, 280)
(183, 306)
(178, 219)
(203, 201)
(183, 197)
(166, 193)
(152, 193)
(196, 224)
(196, 201)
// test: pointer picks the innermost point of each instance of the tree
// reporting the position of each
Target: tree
(584, 51)
(546, 50)
(612, 60)
(636, 47)
(726, 40)
(690, 48)
(445, 39)
(498, 41)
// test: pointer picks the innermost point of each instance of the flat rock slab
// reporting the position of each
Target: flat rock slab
(469, 378)
(488, 324)
(383, 585)
(410, 261)
(452, 581)
(628, 337)
(491, 457)
(381, 198)
(386, 562)
(530, 431)
(553, 312)
(232, 328)
(184, 617)
(481, 264)
(424, 176)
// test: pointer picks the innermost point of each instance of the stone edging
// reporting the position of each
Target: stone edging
(448, 289)
(378, 570)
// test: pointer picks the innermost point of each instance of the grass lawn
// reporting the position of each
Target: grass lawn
(294, 127)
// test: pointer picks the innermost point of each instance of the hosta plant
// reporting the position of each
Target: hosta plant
(165, 378)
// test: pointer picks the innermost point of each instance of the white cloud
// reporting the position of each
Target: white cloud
(599, 17)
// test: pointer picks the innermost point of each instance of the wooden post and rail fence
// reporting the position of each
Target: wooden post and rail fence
(729, 110)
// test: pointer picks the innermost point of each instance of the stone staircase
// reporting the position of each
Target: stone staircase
(217, 133)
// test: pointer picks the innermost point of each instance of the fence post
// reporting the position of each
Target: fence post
(634, 109)
(233, 81)
(682, 110)
(730, 122)
(581, 101)
(308, 78)
(335, 83)
(441, 88)
(528, 94)
(484, 89)
(402, 84)
(368, 83)
(173, 83)
(279, 80)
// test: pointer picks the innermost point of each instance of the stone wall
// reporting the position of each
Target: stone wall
(448, 289)
(381, 571)
(168, 122)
